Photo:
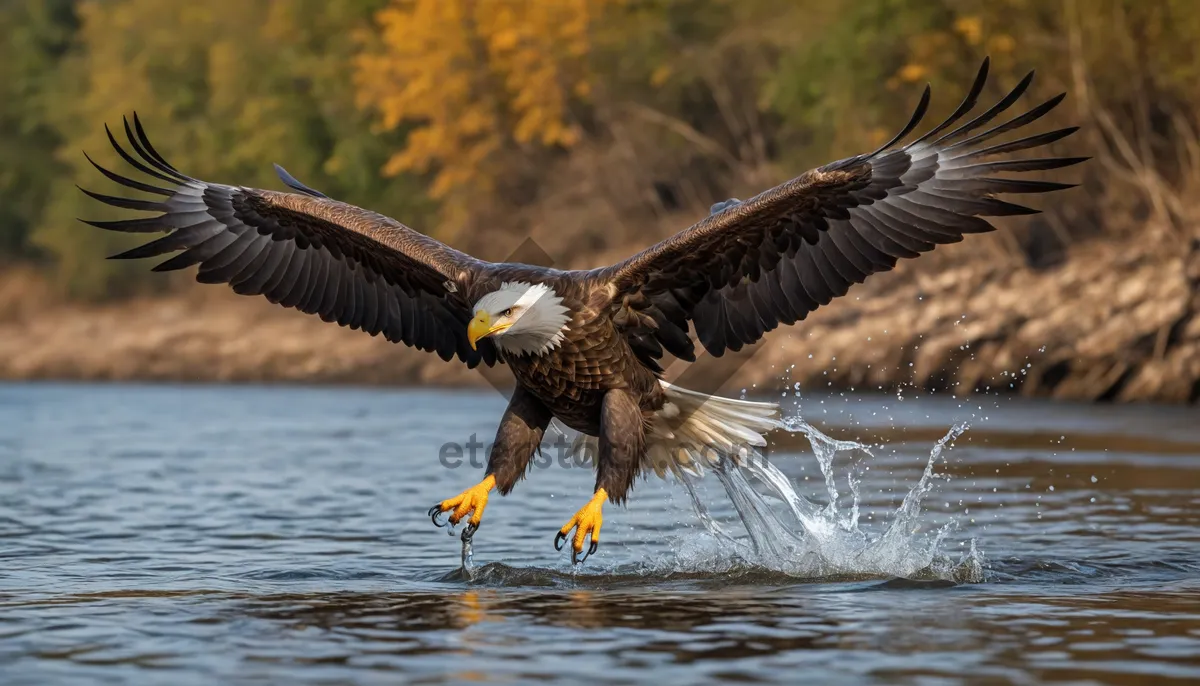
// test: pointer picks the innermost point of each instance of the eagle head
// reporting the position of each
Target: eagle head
(523, 318)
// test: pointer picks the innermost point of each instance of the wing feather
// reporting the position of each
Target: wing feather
(303, 250)
(753, 265)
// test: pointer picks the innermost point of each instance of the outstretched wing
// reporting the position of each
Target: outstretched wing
(780, 255)
(348, 265)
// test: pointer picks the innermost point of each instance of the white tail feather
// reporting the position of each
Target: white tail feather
(694, 430)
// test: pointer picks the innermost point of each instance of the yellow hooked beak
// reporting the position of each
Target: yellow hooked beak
(481, 327)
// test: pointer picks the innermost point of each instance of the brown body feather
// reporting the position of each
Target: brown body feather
(732, 277)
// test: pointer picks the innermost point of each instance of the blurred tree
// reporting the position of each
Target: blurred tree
(225, 88)
(34, 36)
(598, 117)
(849, 91)
(477, 79)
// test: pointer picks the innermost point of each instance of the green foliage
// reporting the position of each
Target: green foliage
(432, 111)
(832, 94)
(34, 35)
(225, 88)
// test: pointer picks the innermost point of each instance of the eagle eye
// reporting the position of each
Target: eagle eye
(507, 313)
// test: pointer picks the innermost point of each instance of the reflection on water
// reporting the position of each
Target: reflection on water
(166, 535)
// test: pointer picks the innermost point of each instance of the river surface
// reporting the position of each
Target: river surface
(201, 535)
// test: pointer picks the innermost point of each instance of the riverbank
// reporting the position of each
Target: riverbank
(1109, 323)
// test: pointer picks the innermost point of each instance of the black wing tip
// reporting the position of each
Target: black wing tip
(132, 254)
(917, 115)
(1003, 208)
(981, 77)
(1013, 124)
(1008, 185)
(94, 196)
(155, 168)
(127, 182)
(147, 159)
(146, 151)
(173, 264)
(141, 134)
(1003, 104)
(1056, 135)
(1027, 143)
(1022, 86)
(139, 225)
(968, 103)
(106, 225)
(124, 203)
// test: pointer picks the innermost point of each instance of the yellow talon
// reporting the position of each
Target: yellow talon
(472, 500)
(587, 521)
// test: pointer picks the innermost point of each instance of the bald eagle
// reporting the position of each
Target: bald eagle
(585, 346)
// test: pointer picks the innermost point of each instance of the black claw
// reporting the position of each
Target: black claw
(469, 532)
(559, 539)
(433, 514)
(591, 551)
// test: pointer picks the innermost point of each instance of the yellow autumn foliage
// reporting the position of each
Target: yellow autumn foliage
(473, 77)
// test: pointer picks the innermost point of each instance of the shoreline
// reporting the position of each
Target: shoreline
(1109, 323)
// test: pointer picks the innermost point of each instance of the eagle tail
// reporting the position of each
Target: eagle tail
(694, 431)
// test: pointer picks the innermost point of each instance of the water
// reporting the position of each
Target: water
(824, 542)
(278, 535)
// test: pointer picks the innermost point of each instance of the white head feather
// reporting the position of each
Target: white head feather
(538, 317)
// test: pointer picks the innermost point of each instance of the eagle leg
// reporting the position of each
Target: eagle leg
(618, 462)
(520, 433)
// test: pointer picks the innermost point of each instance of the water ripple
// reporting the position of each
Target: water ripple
(204, 535)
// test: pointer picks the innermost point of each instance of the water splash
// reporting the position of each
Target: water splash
(806, 540)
